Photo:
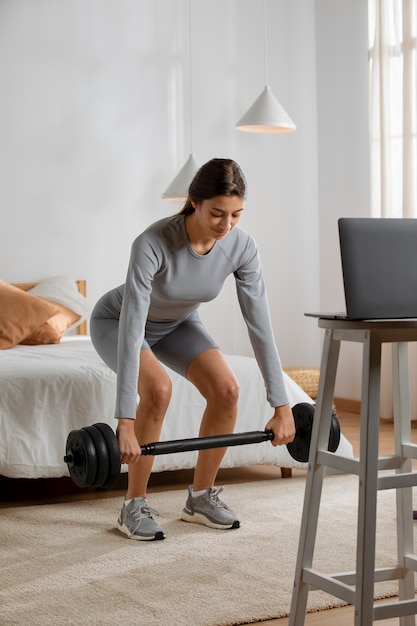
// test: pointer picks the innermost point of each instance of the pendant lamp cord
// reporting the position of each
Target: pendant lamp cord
(265, 45)
(189, 76)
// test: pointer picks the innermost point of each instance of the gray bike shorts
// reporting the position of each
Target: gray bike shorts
(174, 343)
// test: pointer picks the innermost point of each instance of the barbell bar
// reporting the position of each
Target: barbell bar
(93, 455)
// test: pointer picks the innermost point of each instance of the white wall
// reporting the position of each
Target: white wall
(344, 176)
(94, 124)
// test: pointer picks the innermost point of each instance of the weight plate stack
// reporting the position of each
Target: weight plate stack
(102, 456)
(81, 458)
(113, 452)
(303, 417)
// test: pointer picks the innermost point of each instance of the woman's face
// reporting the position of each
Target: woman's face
(217, 216)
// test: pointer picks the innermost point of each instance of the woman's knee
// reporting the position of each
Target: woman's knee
(224, 392)
(164, 392)
(214, 379)
(156, 396)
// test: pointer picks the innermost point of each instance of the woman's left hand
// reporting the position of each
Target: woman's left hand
(282, 425)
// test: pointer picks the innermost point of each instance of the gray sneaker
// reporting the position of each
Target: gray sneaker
(209, 510)
(136, 521)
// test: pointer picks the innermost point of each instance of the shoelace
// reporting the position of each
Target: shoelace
(214, 498)
(141, 512)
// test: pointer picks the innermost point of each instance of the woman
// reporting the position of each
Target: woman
(176, 264)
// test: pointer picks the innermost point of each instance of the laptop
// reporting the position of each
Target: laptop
(379, 266)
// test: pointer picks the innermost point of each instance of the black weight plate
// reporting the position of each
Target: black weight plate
(102, 455)
(114, 453)
(82, 458)
(303, 417)
(334, 437)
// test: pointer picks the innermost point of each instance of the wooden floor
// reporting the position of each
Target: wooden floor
(28, 492)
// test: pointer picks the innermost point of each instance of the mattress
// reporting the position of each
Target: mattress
(47, 391)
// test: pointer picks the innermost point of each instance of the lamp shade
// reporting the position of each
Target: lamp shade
(178, 189)
(266, 115)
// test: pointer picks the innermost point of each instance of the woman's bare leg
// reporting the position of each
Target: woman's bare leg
(215, 380)
(154, 389)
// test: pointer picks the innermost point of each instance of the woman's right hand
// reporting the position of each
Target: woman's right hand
(128, 444)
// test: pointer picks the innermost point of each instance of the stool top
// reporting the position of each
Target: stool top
(384, 331)
(388, 324)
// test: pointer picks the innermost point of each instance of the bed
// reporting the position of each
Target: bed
(49, 389)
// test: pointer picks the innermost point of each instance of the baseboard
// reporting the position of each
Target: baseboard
(347, 405)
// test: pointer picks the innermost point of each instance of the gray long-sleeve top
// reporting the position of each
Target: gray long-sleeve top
(167, 279)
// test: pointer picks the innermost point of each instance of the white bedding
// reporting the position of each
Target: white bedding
(47, 391)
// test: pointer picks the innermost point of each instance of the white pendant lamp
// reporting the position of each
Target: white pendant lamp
(266, 115)
(178, 189)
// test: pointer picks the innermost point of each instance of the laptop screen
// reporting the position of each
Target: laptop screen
(379, 264)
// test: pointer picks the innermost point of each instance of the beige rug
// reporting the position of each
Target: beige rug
(66, 564)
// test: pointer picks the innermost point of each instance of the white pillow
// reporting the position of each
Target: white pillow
(64, 290)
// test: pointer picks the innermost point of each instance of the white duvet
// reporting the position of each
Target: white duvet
(47, 391)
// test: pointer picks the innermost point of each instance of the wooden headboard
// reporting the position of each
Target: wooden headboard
(82, 288)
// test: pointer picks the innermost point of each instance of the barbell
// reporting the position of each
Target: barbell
(93, 456)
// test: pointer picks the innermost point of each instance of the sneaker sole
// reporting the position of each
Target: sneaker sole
(124, 529)
(198, 518)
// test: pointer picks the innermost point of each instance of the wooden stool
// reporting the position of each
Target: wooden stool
(357, 588)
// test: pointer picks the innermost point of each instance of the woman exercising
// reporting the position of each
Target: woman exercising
(176, 264)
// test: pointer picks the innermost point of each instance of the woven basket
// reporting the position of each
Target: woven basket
(306, 377)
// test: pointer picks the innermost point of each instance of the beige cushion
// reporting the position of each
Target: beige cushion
(21, 314)
(52, 330)
(63, 290)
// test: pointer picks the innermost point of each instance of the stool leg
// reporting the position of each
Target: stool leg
(314, 481)
(368, 478)
(404, 500)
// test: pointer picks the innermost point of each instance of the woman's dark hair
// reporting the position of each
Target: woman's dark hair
(218, 177)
